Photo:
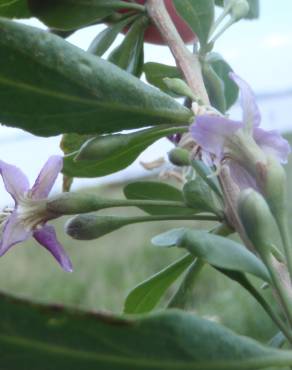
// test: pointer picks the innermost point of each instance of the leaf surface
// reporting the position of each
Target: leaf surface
(34, 337)
(49, 87)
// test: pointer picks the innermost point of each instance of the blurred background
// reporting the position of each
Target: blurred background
(105, 270)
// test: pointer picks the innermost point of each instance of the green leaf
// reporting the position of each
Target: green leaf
(217, 251)
(207, 175)
(169, 238)
(278, 340)
(145, 296)
(199, 14)
(198, 195)
(215, 87)
(107, 154)
(38, 337)
(72, 142)
(14, 9)
(222, 70)
(50, 87)
(73, 14)
(106, 38)
(156, 191)
(129, 53)
(156, 72)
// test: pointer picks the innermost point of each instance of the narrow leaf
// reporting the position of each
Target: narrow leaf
(145, 296)
(73, 14)
(155, 74)
(222, 70)
(199, 14)
(129, 53)
(107, 154)
(156, 191)
(38, 337)
(106, 38)
(14, 9)
(50, 87)
(216, 250)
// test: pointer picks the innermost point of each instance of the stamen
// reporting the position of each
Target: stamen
(32, 213)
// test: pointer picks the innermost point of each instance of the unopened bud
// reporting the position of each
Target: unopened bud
(102, 147)
(179, 87)
(271, 178)
(256, 219)
(90, 226)
(179, 157)
(73, 203)
(239, 9)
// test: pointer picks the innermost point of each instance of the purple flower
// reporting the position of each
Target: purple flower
(29, 215)
(244, 143)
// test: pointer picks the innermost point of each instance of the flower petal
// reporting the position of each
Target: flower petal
(273, 143)
(251, 113)
(47, 177)
(15, 181)
(46, 236)
(211, 132)
(13, 233)
(241, 176)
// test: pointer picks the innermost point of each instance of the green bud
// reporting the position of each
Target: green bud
(102, 147)
(179, 87)
(179, 157)
(90, 226)
(271, 178)
(239, 9)
(256, 219)
(73, 203)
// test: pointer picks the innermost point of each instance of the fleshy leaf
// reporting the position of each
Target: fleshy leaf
(216, 250)
(34, 336)
(14, 9)
(73, 14)
(49, 86)
(145, 296)
(199, 14)
(155, 74)
(152, 190)
(107, 154)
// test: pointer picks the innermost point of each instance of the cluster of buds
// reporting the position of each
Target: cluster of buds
(253, 157)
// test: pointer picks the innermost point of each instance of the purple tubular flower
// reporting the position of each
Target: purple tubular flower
(29, 216)
(241, 142)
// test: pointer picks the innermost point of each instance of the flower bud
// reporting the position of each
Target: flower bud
(101, 147)
(90, 226)
(73, 203)
(256, 219)
(179, 87)
(239, 9)
(271, 178)
(179, 157)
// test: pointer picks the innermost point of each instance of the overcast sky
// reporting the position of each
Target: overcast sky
(259, 51)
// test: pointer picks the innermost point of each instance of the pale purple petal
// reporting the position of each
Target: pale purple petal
(47, 177)
(241, 177)
(46, 236)
(211, 132)
(15, 181)
(13, 233)
(273, 143)
(251, 113)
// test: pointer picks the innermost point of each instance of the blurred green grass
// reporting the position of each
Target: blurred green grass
(106, 269)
